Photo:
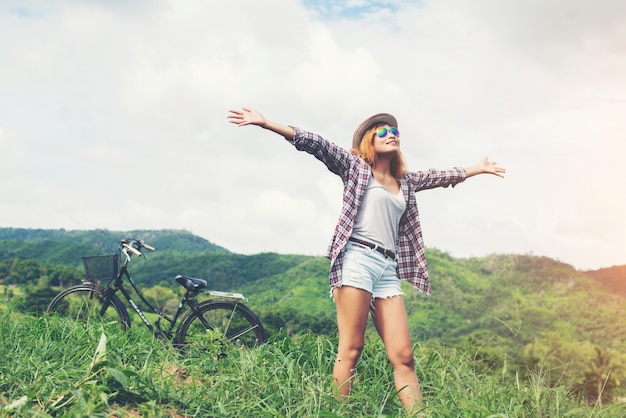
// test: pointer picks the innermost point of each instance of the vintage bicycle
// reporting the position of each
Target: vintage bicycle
(221, 317)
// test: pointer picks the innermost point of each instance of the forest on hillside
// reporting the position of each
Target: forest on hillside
(513, 314)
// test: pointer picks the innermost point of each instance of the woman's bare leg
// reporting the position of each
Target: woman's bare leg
(392, 324)
(353, 307)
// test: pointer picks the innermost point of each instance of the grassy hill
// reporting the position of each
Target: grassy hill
(515, 315)
(56, 368)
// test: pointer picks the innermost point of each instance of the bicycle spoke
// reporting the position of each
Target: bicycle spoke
(230, 321)
(243, 332)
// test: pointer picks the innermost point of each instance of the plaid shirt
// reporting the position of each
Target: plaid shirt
(355, 174)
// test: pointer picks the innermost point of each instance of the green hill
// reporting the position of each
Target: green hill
(58, 246)
(611, 279)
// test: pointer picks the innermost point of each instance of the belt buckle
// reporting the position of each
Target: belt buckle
(388, 253)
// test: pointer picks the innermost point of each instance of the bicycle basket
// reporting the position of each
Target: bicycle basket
(101, 267)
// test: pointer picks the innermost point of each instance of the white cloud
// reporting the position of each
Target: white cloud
(113, 116)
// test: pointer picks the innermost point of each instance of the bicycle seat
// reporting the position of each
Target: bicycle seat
(190, 283)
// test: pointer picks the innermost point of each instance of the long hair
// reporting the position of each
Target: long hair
(366, 151)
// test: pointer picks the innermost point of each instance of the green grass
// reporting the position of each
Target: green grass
(54, 367)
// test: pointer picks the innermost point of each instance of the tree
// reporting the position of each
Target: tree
(602, 376)
(21, 272)
(64, 276)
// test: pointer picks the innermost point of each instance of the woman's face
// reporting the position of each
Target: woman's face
(386, 140)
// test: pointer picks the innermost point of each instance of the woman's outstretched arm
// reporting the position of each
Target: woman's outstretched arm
(248, 116)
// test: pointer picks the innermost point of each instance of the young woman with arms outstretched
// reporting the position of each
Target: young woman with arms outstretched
(377, 240)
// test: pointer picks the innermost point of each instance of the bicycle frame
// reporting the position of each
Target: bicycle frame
(119, 285)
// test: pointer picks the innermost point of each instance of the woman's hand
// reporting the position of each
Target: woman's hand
(246, 116)
(485, 166)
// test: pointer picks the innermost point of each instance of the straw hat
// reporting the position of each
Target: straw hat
(378, 119)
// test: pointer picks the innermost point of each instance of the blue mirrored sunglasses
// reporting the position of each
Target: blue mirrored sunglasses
(382, 132)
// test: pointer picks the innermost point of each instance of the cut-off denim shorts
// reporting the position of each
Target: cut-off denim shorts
(367, 269)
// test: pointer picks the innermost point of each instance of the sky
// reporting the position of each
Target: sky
(113, 116)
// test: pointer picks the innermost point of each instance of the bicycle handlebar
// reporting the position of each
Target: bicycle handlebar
(135, 246)
(131, 248)
(147, 247)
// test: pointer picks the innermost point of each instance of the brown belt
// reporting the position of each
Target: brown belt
(383, 251)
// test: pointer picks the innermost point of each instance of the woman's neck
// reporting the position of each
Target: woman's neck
(383, 175)
(382, 167)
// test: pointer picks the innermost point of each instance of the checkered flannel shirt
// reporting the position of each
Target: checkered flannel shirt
(355, 174)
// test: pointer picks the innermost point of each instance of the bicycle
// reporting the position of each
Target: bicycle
(224, 319)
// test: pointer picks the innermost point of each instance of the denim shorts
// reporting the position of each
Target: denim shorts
(367, 269)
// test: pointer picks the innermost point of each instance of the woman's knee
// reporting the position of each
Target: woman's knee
(402, 357)
(350, 352)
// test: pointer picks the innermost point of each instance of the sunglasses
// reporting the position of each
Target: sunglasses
(382, 132)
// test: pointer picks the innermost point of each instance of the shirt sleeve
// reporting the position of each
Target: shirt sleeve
(433, 178)
(336, 158)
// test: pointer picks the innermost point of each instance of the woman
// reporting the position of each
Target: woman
(377, 240)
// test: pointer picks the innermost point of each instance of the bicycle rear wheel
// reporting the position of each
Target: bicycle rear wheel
(233, 322)
(90, 302)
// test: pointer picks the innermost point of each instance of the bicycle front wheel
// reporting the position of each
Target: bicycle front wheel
(228, 320)
(87, 302)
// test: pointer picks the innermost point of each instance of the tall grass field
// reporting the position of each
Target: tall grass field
(55, 367)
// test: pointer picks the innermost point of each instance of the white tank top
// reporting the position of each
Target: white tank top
(379, 215)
